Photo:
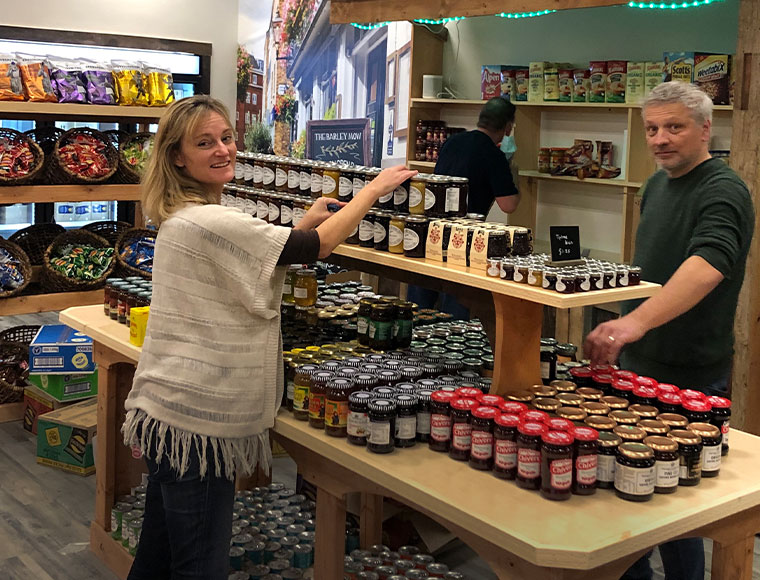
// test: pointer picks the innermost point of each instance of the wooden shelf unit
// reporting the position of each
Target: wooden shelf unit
(49, 302)
(422, 102)
(616, 182)
(27, 110)
(53, 193)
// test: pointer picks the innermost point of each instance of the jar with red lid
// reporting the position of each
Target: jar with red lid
(582, 376)
(667, 388)
(481, 450)
(669, 403)
(603, 382)
(604, 369)
(505, 446)
(645, 382)
(585, 460)
(512, 407)
(622, 388)
(721, 417)
(556, 465)
(643, 395)
(529, 455)
(560, 424)
(440, 420)
(687, 394)
(491, 400)
(468, 393)
(697, 411)
(461, 428)
(534, 416)
(624, 375)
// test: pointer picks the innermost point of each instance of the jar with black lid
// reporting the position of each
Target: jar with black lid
(435, 196)
(505, 446)
(456, 197)
(711, 451)
(415, 236)
(556, 465)
(401, 198)
(606, 459)
(689, 456)
(440, 420)
(548, 364)
(346, 184)
(304, 177)
(585, 460)
(382, 223)
(317, 394)
(529, 455)
(461, 428)
(482, 438)
(405, 434)
(697, 411)
(423, 415)
(336, 406)
(634, 472)
(286, 210)
(721, 418)
(383, 392)
(357, 423)
(363, 317)
(275, 203)
(382, 425)
(388, 377)
(301, 390)
(666, 465)
(367, 230)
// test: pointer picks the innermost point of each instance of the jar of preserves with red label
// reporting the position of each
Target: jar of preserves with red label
(585, 460)
(505, 446)
(556, 465)
(440, 420)
(481, 450)
(721, 418)
(461, 428)
(696, 411)
(529, 455)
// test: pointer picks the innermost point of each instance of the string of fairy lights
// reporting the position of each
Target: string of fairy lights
(520, 15)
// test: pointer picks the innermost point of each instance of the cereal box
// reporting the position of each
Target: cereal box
(490, 81)
(536, 82)
(616, 80)
(678, 66)
(652, 75)
(634, 84)
(598, 76)
(712, 75)
(522, 82)
(581, 85)
(508, 82)
(565, 85)
(551, 82)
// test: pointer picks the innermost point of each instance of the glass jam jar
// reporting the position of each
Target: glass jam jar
(380, 332)
(721, 418)
(456, 197)
(600, 423)
(673, 420)
(405, 434)
(624, 417)
(529, 455)
(711, 451)
(505, 446)
(572, 414)
(669, 403)
(435, 196)
(417, 194)
(336, 406)
(585, 460)
(634, 472)
(401, 198)
(606, 459)
(346, 184)
(481, 450)
(396, 234)
(304, 177)
(644, 411)
(556, 465)
(615, 403)
(689, 456)
(666, 463)
(696, 411)
(317, 394)
(423, 415)
(357, 422)
(461, 428)
(630, 433)
(440, 420)
(330, 180)
(381, 230)
(415, 236)
(382, 425)
(654, 427)
(582, 377)
(305, 288)
(301, 390)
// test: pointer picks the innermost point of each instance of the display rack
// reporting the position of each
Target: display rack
(53, 193)
(76, 111)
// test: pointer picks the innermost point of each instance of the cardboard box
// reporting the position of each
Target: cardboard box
(616, 81)
(64, 437)
(712, 73)
(67, 386)
(652, 75)
(36, 403)
(536, 82)
(522, 83)
(678, 66)
(490, 81)
(634, 88)
(598, 79)
(58, 348)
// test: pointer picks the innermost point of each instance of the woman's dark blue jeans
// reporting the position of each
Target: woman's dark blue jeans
(188, 523)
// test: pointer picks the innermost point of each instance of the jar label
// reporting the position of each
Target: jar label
(379, 433)
(666, 473)
(415, 197)
(532, 278)
(248, 172)
(546, 370)
(345, 187)
(411, 239)
(561, 471)
(291, 389)
(690, 467)
(406, 427)
(518, 277)
(328, 185)
(358, 185)
(429, 199)
(380, 330)
(316, 182)
(561, 286)
(362, 324)
(440, 427)
(298, 213)
(605, 468)
(528, 463)
(423, 423)
(286, 215)
(634, 480)
(262, 210)
(395, 236)
(280, 177)
(239, 171)
(300, 292)
(461, 436)
(240, 203)
(505, 454)
(724, 429)
(258, 174)
(494, 268)
(336, 413)
(452, 199)
(379, 232)
(287, 289)
(304, 181)
(225, 200)
(400, 196)
(366, 230)
(267, 176)
(403, 328)
(482, 445)
(301, 398)
(586, 284)
(294, 179)
(545, 282)
(599, 284)
(624, 279)
(274, 212)
(612, 281)
(316, 406)
(710, 457)
(585, 469)
(251, 208)
(357, 424)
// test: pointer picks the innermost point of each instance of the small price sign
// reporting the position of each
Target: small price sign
(565, 243)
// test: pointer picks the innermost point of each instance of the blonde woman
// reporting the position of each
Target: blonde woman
(209, 380)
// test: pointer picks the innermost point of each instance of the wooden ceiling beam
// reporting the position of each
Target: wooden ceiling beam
(368, 11)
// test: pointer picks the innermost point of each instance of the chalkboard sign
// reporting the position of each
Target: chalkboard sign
(565, 242)
(338, 140)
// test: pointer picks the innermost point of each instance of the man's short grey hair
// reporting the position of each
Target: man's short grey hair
(689, 95)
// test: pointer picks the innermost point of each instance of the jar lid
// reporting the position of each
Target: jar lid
(603, 378)
(512, 407)
(548, 342)
(645, 392)
(571, 413)
(490, 400)
(630, 432)
(388, 375)
(589, 393)
(615, 402)
(624, 375)
(719, 402)
(432, 384)
(645, 382)
(410, 371)
(595, 408)
(547, 404)
(558, 438)
(673, 420)
(468, 393)
(644, 410)
(442, 397)
(372, 368)
(341, 383)
(669, 398)
(667, 388)
(559, 424)
(625, 417)
(532, 429)
(586, 434)
(507, 420)
(659, 443)
(414, 219)
(520, 396)
(654, 426)
(685, 437)
(704, 429)
(406, 401)
(695, 405)
(464, 404)
(360, 397)
(609, 439)
(570, 399)
(534, 417)
(307, 272)
(692, 394)
(393, 365)
(384, 392)
(321, 377)
(563, 386)
(602, 369)
(484, 412)
(307, 369)
(382, 405)
(424, 395)
(635, 451)
(543, 391)
(623, 385)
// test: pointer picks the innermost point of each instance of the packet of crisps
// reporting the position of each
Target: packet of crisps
(35, 75)
(130, 83)
(98, 82)
(66, 77)
(160, 86)
(11, 87)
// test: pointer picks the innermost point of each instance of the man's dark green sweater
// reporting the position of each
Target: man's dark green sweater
(708, 213)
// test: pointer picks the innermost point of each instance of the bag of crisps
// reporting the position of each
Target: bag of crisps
(98, 82)
(35, 75)
(11, 87)
(160, 86)
(65, 75)
(130, 83)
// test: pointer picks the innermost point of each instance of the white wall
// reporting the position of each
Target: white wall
(399, 34)
(193, 20)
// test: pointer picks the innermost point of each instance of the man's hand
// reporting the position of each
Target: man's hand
(604, 343)
(318, 213)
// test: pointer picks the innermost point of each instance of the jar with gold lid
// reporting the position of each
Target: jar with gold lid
(595, 408)
(305, 288)
(666, 463)
(330, 180)
(600, 423)
(589, 393)
(605, 466)
(282, 164)
(543, 391)
(417, 194)
(574, 414)
(624, 417)
(294, 176)
(546, 404)
(396, 234)
(569, 399)
(520, 397)
(711, 447)
(630, 433)
(673, 420)
(644, 411)
(635, 472)
(563, 386)
(689, 456)
(615, 403)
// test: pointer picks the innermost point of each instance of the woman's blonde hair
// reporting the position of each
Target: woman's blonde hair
(165, 185)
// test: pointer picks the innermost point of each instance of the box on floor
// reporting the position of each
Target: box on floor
(64, 437)
(67, 386)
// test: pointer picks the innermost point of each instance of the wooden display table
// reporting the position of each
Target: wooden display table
(517, 532)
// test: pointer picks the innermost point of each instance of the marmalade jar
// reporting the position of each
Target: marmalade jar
(505, 446)
(585, 460)
(481, 451)
(440, 420)
(529, 455)
(556, 465)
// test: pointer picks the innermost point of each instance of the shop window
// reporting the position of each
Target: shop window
(247, 98)
(247, 117)
(255, 99)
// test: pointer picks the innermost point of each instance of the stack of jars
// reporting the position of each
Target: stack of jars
(380, 563)
(430, 137)
(123, 294)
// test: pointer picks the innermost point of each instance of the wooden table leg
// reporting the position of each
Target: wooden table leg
(516, 348)
(370, 520)
(733, 561)
(330, 539)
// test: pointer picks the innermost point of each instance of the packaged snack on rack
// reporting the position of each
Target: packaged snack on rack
(98, 82)
(130, 83)
(35, 76)
(11, 87)
(160, 86)
(66, 78)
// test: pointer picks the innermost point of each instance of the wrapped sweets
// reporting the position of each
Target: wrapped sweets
(82, 262)
(139, 254)
(85, 156)
(10, 275)
(16, 158)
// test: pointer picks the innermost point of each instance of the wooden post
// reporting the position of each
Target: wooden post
(518, 336)
(330, 537)
(370, 520)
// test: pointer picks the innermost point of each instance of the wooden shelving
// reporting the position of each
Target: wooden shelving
(51, 193)
(26, 110)
(49, 302)
(421, 165)
(418, 102)
(617, 182)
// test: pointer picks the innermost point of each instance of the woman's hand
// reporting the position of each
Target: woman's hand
(389, 179)
(318, 213)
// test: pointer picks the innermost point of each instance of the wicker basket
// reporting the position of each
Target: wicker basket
(60, 174)
(20, 334)
(35, 239)
(23, 264)
(11, 392)
(54, 281)
(125, 168)
(128, 237)
(46, 138)
(39, 157)
(116, 136)
(110, 230)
